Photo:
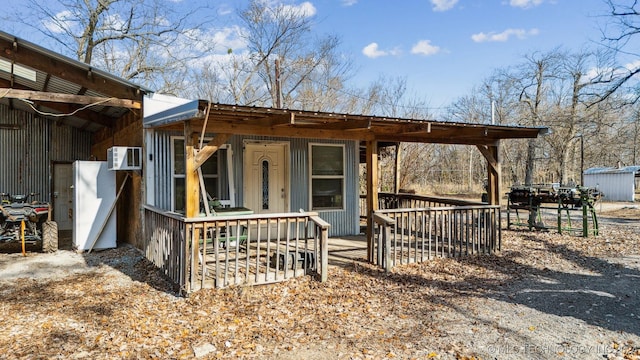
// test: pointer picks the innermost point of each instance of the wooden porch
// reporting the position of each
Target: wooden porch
(400, 228)
(221, 251)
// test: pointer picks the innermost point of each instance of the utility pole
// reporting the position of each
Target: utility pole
(278, 88)
(581, 159)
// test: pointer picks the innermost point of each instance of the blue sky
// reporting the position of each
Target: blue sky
(442, 47)
(446, 47)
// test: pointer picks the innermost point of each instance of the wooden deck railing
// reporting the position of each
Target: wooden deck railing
(415, 235)
(405, 201)
(165, 244)
(220, 251)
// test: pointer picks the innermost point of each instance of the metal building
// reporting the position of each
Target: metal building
(55, 110)
(617, 184)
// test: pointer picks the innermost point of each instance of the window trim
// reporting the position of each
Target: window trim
(341, 177)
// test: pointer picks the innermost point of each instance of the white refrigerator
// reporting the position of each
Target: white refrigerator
(94, 213)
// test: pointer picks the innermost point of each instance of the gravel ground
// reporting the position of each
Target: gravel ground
(544, 296)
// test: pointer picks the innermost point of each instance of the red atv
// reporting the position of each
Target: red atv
(38, 227)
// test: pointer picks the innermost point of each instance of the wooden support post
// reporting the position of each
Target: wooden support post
(191, 196)
(494, 171)
(396, 178)
(191, 180)
(372, 195)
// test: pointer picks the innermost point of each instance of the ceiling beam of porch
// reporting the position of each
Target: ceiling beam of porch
(68, 98)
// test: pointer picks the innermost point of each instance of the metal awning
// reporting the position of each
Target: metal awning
(248, 120)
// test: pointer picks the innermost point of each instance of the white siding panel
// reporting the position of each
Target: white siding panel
(614, 186)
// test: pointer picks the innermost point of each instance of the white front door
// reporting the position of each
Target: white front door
(266, 188)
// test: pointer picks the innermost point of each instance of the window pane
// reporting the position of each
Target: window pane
(327, 160)
(210, 167)
(179, 194)
(178, 161)
(211, 185)
(326, 194)
(265, 185)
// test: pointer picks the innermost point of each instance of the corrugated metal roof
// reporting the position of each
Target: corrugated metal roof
(70, 61)
(24, 76)
(613, 170)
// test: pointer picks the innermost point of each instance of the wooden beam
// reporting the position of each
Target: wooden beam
(372, 195)
(494, 172)
(212, 146)
(294, 131)
(69, 98)
(191, 180)
(57, 66)
(280, 120)
(62, 108)
(488, 155)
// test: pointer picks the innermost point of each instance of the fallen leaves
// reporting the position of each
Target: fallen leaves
(441, 309)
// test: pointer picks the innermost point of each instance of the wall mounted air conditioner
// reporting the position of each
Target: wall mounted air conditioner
(124, 158)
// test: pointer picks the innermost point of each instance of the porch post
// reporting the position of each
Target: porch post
(396, 178)
(372, 195)
(495, 175)
(191, 200)
(191, 180)
(494, 171)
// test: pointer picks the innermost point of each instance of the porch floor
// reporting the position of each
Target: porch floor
(347, 250)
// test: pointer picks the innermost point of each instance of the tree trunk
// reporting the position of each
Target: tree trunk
(530, 168)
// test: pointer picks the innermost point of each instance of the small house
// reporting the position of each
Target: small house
(227, 194)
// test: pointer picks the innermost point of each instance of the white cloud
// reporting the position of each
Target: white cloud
(443, 5)
(349, 2)
(306, 9)
(372, 51)
(225, 9)
(503, 36)
(525, 4)
(611, 72)
(62, 20)
(424, 47)
(228, 38)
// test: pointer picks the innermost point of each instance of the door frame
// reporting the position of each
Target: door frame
(52, 198)
(287, 168)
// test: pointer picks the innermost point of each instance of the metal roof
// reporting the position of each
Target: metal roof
(27, 66)
(251, 120)
(613, 170)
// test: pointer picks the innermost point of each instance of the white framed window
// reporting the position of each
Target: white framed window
(326, 178)
(211, 174)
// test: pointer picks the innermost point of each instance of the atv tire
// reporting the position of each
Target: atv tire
(49, 236)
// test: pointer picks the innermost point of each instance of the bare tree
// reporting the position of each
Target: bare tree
(143, 40)
(532, 76)
(306, 63)
(620, 35)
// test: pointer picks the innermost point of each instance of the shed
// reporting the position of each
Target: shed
(617, 183)
(55, 110)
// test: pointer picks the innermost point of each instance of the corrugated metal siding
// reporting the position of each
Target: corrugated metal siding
(26, 154)
(615, 186)
(162, 163)
(75, 144)
(343, 222)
